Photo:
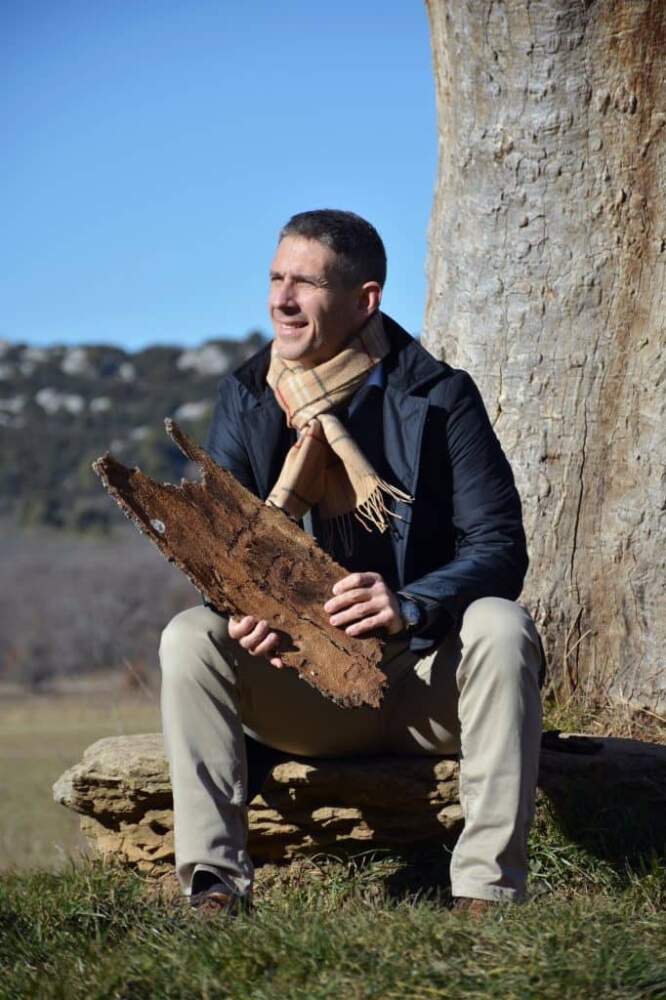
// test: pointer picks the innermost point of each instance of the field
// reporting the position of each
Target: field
(41, 736)
(373, 926)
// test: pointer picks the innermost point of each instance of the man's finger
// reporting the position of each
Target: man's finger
(352, 614)
(255, 636)
(267, 646)
(357, 596)
(355, 580)
(239, 627)
(370, 624)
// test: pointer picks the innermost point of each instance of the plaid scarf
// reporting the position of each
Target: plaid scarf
(325, 466)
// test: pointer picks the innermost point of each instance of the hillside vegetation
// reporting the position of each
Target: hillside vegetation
(61, 407)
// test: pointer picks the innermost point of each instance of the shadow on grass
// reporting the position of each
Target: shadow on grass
(626, 834)
(608, 797)
(423, 874)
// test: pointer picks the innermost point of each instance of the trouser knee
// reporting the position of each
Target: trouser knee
(191, 641)
(506, 634)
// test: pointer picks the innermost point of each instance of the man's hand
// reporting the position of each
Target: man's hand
(255, 637)
(362, 604)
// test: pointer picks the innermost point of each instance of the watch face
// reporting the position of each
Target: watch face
(410, 613)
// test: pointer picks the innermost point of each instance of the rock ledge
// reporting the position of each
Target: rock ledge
(121, 789)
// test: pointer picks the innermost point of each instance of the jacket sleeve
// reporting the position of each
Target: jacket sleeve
(225, 439)
(490, 551)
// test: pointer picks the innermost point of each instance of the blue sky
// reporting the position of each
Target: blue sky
(153, 148)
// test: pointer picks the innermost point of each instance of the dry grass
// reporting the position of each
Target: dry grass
(603, 717)
(40, 737)
(591, 701)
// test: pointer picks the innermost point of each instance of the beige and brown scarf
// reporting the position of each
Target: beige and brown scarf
(325, 466)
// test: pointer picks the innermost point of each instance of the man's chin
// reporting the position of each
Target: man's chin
(291, 350)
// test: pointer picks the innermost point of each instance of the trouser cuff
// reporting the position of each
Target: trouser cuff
(481, 890)
(235, 884)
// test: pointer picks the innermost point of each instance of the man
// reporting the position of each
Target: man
(389, 458)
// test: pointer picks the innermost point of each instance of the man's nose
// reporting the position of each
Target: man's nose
(283, 295)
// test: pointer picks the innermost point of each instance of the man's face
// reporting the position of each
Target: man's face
(312, 312)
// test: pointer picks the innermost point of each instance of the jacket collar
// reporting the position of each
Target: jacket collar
(407, 367)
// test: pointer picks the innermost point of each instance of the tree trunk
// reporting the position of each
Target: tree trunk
(546, 272)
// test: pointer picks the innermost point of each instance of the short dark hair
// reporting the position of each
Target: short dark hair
(357, 244)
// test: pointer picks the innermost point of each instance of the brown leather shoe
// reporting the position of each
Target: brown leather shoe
(475, 908)
(212, 896)
(217, 901)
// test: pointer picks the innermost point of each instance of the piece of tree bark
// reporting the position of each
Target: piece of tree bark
(249, 558)
(547, 281)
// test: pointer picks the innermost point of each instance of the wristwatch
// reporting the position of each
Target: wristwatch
(411, 613)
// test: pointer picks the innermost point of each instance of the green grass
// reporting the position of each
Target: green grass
(374, 926)
(339, 929)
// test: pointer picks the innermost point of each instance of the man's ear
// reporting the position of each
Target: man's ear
(370, 296)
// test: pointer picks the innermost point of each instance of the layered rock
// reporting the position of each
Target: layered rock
(121, 789)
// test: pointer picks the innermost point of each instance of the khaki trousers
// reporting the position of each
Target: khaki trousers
(477, 695)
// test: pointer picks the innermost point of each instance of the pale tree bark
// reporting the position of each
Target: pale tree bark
(547, 283)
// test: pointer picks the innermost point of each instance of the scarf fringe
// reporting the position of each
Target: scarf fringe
(372, 514)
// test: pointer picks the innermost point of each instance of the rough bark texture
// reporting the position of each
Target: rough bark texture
(247, 558)
(547, 282)
(121, 789)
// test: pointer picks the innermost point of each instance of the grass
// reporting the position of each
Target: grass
(604, 717)
(339, 929)
(375, 926)
(40, 737)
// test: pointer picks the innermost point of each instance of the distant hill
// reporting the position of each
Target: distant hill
(61, 407)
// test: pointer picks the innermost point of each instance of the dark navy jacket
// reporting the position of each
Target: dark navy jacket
(426, 431)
